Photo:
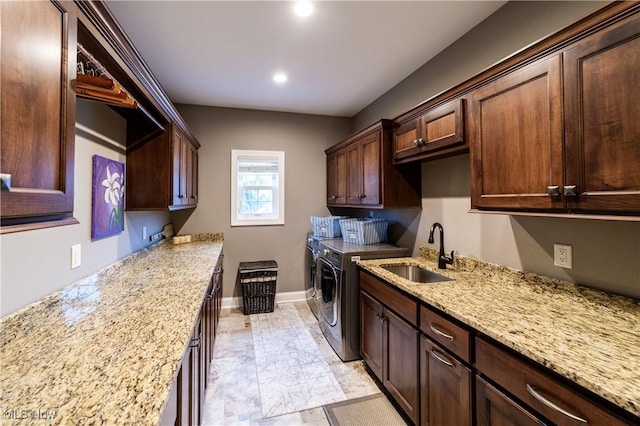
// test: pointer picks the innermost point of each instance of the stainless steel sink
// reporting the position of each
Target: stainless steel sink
(416, 273)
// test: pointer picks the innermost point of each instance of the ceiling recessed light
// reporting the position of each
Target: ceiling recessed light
(279, 77)
(303, 8)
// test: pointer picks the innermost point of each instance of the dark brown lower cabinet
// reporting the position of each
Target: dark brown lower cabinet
(185, 402)
(400, 366)
(494, 408)
(563, 404)
(371, 332)
(191, 380)
(445, 387)
(389, 346)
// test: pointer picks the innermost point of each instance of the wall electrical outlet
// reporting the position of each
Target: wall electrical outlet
(562, 256)
(76, 256)
(144, 232)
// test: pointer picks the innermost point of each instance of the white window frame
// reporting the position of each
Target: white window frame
(277, 217)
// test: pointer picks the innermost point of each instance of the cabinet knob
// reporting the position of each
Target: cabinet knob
(333, 197)
(570, 191)
(416, 143)
(421, 142)
(553, 190)
(363, 196)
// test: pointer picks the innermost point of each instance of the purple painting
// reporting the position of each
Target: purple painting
(107, 202)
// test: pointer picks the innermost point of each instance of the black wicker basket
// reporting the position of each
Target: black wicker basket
(258, 280)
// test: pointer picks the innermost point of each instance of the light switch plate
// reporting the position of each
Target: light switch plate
(76, 256)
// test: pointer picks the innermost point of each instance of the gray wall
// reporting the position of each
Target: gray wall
(303, 138)
(38, 263)
(511, 28)
(605, 254)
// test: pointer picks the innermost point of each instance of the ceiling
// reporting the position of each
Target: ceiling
(338, 60)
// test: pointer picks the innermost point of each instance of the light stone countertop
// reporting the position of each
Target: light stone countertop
(106, 349)
(588, 336)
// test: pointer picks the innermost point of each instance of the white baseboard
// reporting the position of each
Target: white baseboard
(288, 297)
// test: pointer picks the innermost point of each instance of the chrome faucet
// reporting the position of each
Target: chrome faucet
(442, 259)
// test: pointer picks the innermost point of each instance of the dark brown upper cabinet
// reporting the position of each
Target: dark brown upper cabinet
(38, 114)
(558, 132)
(163, 172)
(38, 103)
(516, 138)
(436, 133)
(602, 120)
(360, 172)
(337, 177)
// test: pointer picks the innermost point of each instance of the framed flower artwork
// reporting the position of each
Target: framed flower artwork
(107, 201)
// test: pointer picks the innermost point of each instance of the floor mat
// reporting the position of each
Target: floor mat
(292, 372)
(369, 410)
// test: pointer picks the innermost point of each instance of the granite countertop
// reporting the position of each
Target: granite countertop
(106, 349)
(588, 336)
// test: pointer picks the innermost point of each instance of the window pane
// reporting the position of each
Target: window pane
(257, 192)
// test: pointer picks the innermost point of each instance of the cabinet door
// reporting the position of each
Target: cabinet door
(445, 387)
(37, 111)
(400, 363)
(196, 376)
(371, 333)
(208, 329)
(354, 171)
(184, 389)
(185, 161)
(442, 127)
(193, 193)
(493, 408)
(188, 176)
(337, 178)
(405, 140)
(177, 144)
(602, 88)
(371, 168)
(516, 139)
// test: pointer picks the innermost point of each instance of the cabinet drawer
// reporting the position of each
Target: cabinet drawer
(451, 336)
(549, 397)
(394, 299)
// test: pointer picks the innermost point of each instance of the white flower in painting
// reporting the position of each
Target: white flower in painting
(114, 189)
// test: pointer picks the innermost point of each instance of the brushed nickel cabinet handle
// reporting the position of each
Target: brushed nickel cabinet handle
(5, 181)
(440, 333)
(570, 191)
(553, 406)
(442, 360)
(553, 190)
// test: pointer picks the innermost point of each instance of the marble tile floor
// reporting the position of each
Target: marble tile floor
(233, 395)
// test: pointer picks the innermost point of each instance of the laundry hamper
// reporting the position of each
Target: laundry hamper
(258, 281)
